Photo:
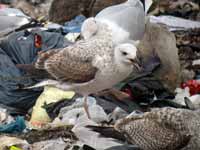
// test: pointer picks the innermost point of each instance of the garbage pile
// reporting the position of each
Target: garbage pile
(156, 108)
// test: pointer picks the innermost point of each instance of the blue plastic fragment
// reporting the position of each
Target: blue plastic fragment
(74, 26)
(15, 127)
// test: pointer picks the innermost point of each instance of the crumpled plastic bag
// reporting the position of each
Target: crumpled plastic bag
(19, 48)
(117, 113)
(5, 118)
(56, 144)
(12, 19)
(75, 113)
(74, 26)
(96, 112)
(92, 138)
(79, 103)
(161, 42)
(181, 94)
(175, 23)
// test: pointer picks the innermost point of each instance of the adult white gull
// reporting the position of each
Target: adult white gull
(127, 20)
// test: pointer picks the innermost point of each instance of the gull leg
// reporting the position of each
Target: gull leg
(86, 107)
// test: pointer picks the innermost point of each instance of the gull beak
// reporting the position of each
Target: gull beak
(136, 63)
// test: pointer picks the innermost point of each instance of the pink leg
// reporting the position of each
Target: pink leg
(86, 107)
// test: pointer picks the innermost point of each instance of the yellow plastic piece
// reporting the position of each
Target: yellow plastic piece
(39, 116)
(15, 148)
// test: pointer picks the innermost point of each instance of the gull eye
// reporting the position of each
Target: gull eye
(124, 53)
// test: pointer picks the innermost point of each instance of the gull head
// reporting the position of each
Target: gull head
(127, 54)
(89, 28)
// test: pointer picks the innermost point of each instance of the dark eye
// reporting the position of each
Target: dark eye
(124, 53)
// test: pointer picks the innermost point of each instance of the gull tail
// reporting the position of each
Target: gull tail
(43, 56)
(32, 72)
(42, 84)
(108, 132)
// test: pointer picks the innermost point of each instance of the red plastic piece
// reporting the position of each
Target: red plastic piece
(193, 85)
(128, 91)
(38, 41)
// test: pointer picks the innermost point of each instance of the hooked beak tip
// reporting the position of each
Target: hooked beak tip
(132, 60)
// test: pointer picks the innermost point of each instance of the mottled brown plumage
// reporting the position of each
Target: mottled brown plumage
(65, 67)
(75, 63)
(163, 129)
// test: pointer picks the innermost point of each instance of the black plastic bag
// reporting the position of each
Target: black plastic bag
(19, 48)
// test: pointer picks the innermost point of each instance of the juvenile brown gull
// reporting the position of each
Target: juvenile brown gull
(161, 129)
(90, 65)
